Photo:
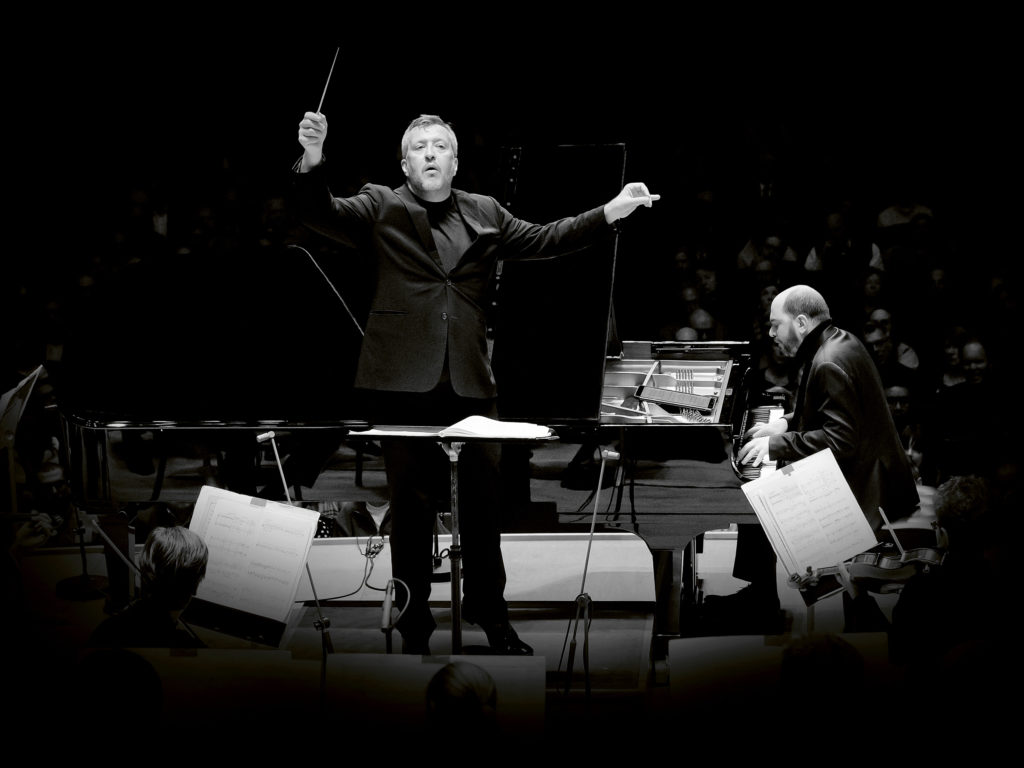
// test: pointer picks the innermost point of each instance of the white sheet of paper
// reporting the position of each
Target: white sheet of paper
(810, 514)
(471, 426)
(258, 551)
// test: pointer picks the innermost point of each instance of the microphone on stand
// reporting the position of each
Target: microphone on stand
(389, 596)
(322, 623)
(280, 467)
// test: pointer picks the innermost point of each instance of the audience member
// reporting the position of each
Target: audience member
(678, 310)
(909, 416)
(770, 247)
(895, 359)
(1000, 315)
(868, 294)
(715, 290)
(708, 327)
(900, 228)
(836, 259)
(767, 199)
(950, 371)
(172, 565)
(967, 424)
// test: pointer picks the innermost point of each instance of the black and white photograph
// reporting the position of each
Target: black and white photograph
(476, 383)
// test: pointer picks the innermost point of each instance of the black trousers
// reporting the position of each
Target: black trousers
(419, 483)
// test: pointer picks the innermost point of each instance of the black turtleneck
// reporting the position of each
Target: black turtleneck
(451, 237)
(804, 354)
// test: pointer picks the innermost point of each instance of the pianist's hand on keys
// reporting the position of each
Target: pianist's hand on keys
(754, 451)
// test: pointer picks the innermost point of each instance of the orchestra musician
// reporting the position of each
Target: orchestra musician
(424, 355)
(841, 405)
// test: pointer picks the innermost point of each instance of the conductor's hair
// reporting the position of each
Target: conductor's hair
(173, 563)
(425, 121)
(804, 300)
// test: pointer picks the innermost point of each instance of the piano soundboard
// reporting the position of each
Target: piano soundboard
(642, 390)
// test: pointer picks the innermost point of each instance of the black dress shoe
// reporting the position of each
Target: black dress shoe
(504, 640)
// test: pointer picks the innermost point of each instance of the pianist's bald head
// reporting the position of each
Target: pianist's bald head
(804, 300)
(796, 312)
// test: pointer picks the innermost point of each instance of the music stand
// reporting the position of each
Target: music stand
(12, 406)
(452, 441)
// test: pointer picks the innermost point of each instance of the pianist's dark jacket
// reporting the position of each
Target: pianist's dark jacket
(841, 405)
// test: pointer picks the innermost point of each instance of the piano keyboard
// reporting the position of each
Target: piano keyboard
(764, 414)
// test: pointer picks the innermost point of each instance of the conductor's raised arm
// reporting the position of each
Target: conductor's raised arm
(312, 134)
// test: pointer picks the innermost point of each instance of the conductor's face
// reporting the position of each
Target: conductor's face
(430, 163)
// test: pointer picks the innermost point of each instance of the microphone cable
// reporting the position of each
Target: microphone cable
(324, 275)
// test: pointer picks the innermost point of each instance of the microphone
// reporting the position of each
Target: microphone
(264, 437)
(609, 455)
(389, 595)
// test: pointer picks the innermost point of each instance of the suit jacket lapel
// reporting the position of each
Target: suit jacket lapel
(420, 222)
(469, 212)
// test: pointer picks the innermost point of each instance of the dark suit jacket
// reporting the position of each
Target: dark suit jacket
(419, 311)
(844, 408)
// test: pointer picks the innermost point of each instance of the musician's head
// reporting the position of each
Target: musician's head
(463, 692)
(430, 157)
(173, 563)
(796, 312)
(962, 504)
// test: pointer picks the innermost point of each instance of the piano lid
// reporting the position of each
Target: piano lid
(552, 318)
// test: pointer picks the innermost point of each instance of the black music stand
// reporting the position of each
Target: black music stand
(452, 444)
(12, 406)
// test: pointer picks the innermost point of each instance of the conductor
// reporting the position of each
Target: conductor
(424, 358)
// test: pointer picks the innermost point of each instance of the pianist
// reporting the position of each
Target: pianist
(424, 355)
(840, 404)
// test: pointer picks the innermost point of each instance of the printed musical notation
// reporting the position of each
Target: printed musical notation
(809, 514)
(258, 551)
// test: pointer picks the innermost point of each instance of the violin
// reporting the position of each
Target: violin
(879, 567)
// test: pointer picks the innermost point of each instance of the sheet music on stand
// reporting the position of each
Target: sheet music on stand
(258, 551)
(472, 427)
(811, 517)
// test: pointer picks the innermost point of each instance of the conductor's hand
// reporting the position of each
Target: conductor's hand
(312, 134)
(632, 196)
